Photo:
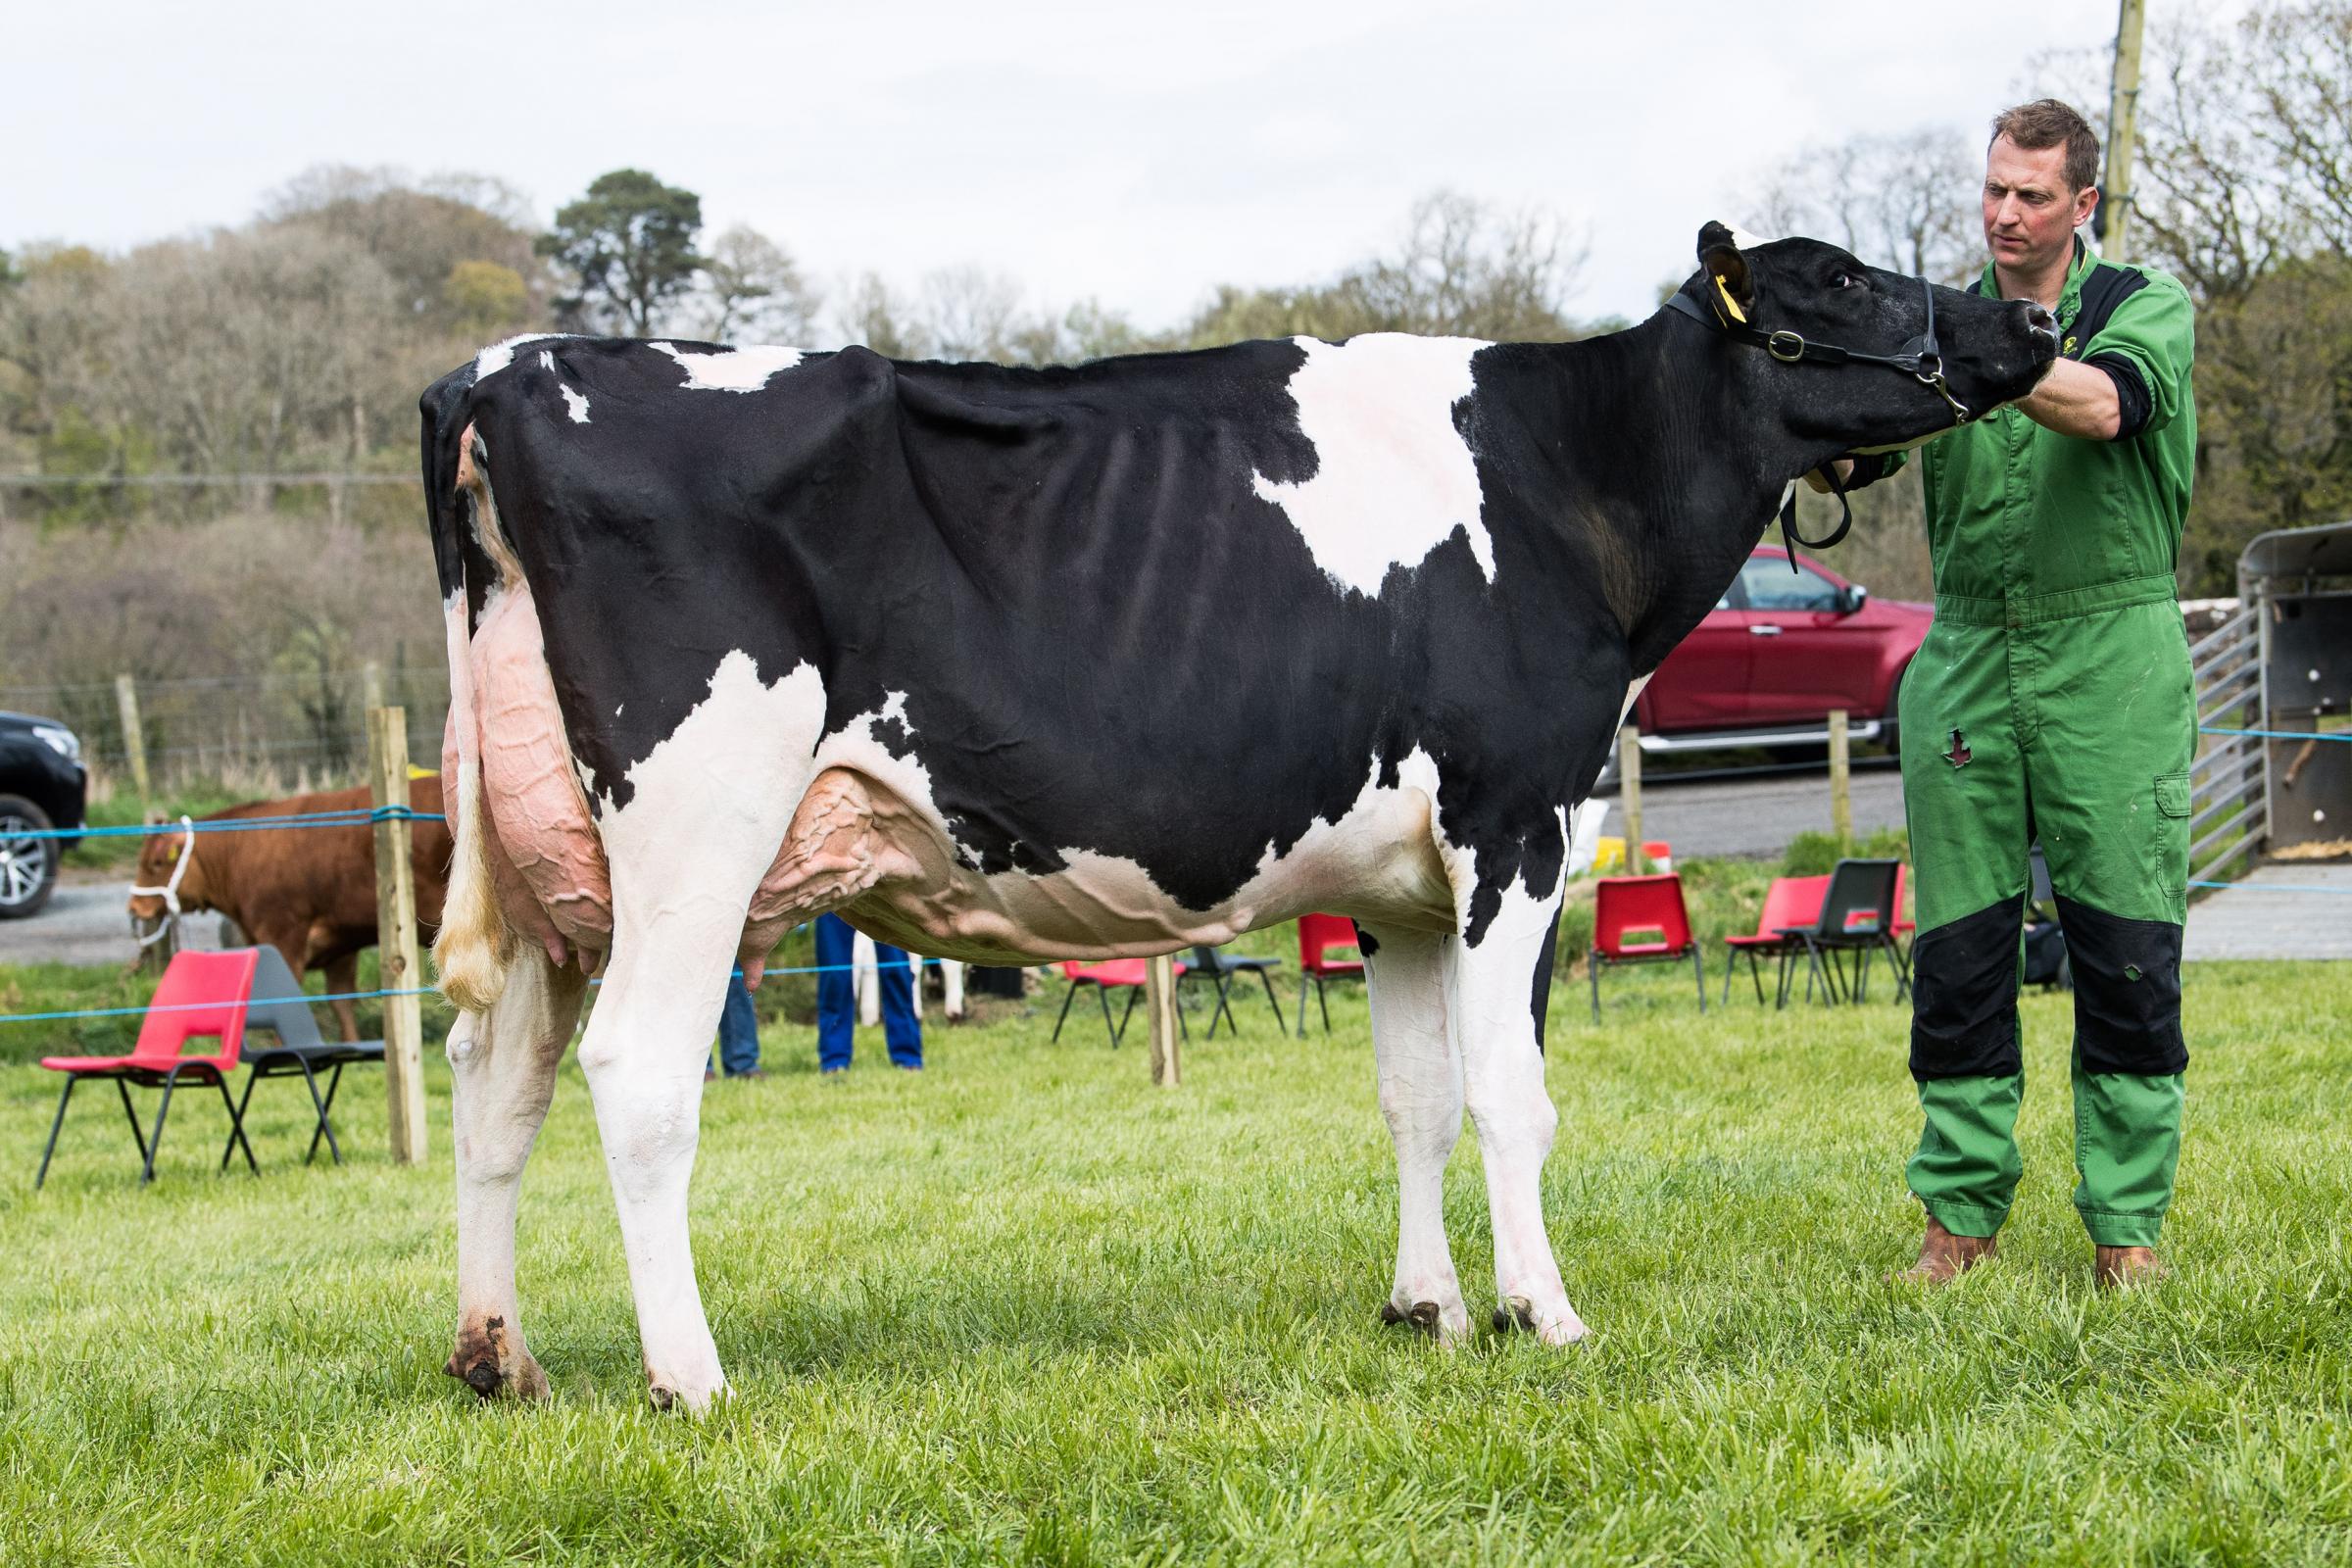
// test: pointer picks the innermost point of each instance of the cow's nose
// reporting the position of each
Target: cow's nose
(2040, 320)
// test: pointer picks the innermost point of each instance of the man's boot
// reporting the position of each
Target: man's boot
(1943, 1257)
(2121, 1268)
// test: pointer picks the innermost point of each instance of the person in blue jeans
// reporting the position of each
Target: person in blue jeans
(738, 1035)
(837, 999)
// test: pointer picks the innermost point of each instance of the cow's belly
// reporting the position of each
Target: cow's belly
(1378, 862)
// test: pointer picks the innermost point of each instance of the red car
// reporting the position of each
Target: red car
(1775, 656)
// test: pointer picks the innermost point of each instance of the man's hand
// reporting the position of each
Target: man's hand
(2077, 400)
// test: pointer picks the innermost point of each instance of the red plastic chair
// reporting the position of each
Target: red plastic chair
(1319, 934)
(202, 995)
(1643, 920)
(1113, 974)
(1790, 901)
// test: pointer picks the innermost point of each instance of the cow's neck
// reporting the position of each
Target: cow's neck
(1688, 478)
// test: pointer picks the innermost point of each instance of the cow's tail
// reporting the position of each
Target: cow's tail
(475, 945)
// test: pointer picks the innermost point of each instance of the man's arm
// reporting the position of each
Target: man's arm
(2077, 400)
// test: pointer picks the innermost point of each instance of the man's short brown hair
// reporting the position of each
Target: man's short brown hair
(2046, 123)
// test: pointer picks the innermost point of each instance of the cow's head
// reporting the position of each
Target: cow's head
(159, 863)
(1990, 351)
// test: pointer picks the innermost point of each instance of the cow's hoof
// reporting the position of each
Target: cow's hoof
(491, 1361)
(1518, 1314)
(1429, 1319)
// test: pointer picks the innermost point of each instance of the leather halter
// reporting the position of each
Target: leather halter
(1922, 358)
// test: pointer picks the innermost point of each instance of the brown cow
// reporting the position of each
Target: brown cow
(309, 892)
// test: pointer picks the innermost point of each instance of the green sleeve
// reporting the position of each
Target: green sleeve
(2154, 331)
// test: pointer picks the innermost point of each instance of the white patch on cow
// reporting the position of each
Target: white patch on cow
(710, 808)
(547, 359)
(743, 369)
(1394, 478)
(1745, 240)
(578, 402)
(498, 356)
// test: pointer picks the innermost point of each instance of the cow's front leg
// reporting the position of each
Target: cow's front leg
(647, 1043)
(502, 1075)
(1421, 1098)
(1494, 1003)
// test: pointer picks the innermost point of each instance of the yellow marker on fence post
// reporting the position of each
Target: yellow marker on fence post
(1629, 798)
(1160, 1001)
(1842, 799)
(396, 935)
(134, 739)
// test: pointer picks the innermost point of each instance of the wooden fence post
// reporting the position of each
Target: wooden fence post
(372, 686)
(1629, 796)
(134, 739)
(1841, 799)
(396, 935)
(1160, 1001)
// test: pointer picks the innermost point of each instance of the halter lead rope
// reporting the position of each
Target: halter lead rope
(1922, 358)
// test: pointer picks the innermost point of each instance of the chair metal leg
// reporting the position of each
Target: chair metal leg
(1280, 1026)
(1593, 973)
(1698, 966)
(71, 1080)
(326, 1109)
(1068, 997)
(1133, 994)
(155, 1143)
(1302, 980)
(1224, 1007)
(237, 1117)
(236, 1128)
(138, 1134)
(1103, 995)
(1730, 966)
(1323, 1002)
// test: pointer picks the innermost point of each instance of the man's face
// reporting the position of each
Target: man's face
(2031, 212)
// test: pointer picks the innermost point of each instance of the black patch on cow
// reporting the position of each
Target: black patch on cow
(1366, 942)
(1538, 1002)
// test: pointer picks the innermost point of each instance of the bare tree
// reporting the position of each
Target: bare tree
(752, 291)
(1905, 201)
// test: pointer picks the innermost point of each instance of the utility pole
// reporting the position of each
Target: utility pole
(2123, 126)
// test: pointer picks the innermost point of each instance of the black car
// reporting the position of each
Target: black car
(42, 786)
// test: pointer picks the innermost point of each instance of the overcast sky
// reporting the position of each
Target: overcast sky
(1134, 153)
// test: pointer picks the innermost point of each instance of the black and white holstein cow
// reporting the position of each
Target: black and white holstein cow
(1017, 664)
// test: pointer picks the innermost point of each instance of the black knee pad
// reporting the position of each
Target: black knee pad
(2126, 991)
(1964, 994)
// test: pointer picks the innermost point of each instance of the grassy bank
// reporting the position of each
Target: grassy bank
(1022, 1307)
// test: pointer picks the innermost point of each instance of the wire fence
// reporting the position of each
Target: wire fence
(270, 733)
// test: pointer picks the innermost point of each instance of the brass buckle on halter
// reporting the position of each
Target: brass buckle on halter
(1784, 346)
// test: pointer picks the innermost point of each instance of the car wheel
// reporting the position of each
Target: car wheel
(28, 865)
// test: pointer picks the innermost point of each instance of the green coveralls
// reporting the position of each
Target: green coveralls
(2052, 697)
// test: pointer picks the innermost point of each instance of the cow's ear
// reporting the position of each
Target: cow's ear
(1729, 289)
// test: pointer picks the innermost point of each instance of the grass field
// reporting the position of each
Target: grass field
(1025, 1308)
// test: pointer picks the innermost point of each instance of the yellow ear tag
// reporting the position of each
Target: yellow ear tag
(1730, 304)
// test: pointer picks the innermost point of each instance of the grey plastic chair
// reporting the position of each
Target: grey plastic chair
(280, 1006)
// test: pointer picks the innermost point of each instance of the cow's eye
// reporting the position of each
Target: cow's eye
(1845, 280)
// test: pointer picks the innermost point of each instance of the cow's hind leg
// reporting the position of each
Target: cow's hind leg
(1494, 1000)
(501, 1074)
(1421, 1098)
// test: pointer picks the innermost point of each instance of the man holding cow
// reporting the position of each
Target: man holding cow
(2053, 701)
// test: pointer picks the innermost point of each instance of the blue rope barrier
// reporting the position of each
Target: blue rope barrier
(344, 996)
(2279, 734)
(2274, 887)
(355, 817)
